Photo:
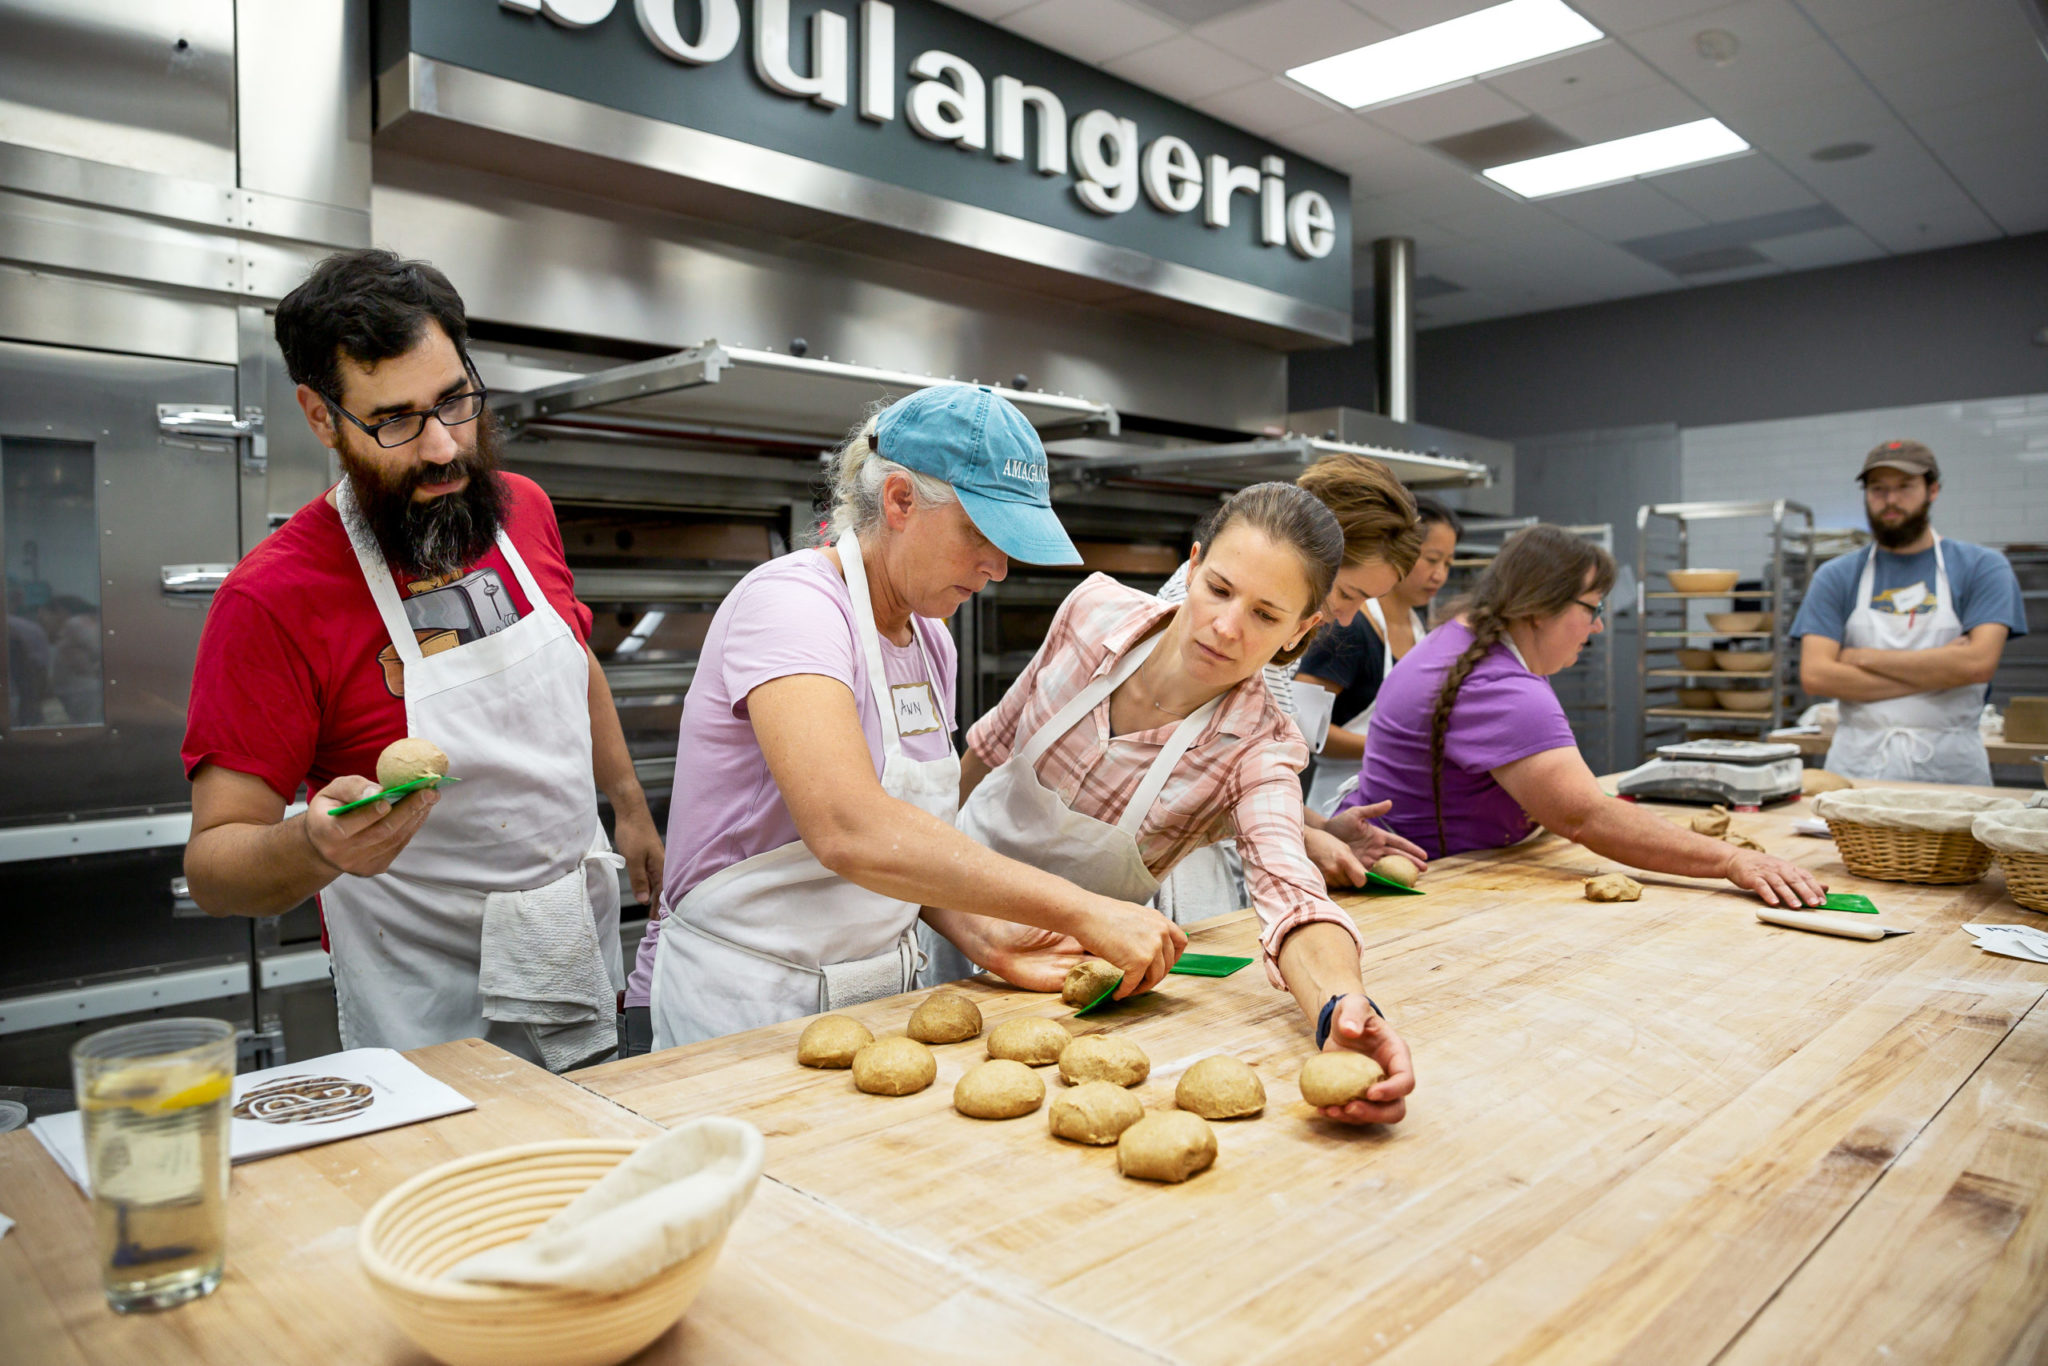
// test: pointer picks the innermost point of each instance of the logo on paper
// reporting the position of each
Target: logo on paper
(305, 1100)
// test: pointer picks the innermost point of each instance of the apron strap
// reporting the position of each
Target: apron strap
(1170, 754)
(1083, 702)
(864, 630)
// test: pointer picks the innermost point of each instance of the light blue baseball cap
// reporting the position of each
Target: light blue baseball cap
(977, 441)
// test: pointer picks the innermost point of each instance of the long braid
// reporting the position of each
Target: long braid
(1487, 631)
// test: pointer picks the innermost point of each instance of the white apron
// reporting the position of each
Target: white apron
(778, 935)
(1019, 817)
(1331, 778)
(1927, 737)
(519, 834)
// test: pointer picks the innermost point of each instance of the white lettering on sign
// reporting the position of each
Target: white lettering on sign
(950, 102)
(917, 709)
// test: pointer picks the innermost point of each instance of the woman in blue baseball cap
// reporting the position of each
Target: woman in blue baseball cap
(816, 781)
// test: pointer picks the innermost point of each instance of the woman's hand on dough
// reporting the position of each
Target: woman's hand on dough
(1369, 844)
(1354, 1025)
(1778, 882)
(1138, 939)
(1333, 858)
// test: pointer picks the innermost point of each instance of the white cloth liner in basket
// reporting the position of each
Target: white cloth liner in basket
(670, 1200)
(1905, 808)
(2020, 831)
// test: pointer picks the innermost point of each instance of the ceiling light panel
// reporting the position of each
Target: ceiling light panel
(1606, 163)
(1475, 44)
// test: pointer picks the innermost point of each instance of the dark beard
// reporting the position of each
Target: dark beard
(1905, 533)
(443, 536)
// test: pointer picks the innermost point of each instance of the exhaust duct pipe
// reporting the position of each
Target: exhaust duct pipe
(1393, 325)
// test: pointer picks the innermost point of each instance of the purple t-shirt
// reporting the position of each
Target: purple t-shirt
(792, 615)
(1503, 713)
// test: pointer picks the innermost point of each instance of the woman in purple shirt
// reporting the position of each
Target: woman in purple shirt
(1470, 743)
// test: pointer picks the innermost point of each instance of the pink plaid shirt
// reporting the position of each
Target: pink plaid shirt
(1239, 777)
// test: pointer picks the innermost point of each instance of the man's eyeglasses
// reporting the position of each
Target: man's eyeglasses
(453, 411)
(1593, 608)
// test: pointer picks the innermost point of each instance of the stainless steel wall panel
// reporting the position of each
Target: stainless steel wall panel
(150, 86)
(549, 258)
(88, 240)
(302, 75)
(60, 310)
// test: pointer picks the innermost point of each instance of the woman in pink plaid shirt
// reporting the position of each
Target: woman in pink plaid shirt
(1143, 731)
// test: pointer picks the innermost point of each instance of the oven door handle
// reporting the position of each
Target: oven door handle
(194, 578)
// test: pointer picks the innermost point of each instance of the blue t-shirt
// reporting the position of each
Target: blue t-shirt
(1980, 580)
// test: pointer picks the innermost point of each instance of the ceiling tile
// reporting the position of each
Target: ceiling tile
(1838, 17)
(1291, 32)
(1457, 110)
(990, 10)
(1184, 68)
(1630, 16)
(1377, 162)
(1619, 212)
(1577, 77)
(1625, 115)
(1762, 74)
(1093, 30)
(1932, 32)
(1741, 187)
(2021, 110)
(1827, 247)
(1433, 203)
(2017, 203)
(1405, 16)
(1974, 75)
(1268, 106)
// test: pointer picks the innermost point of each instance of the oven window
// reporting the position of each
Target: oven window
(49, 535)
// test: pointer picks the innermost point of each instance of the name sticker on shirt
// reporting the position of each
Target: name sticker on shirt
(917, 708)
(1904, 601)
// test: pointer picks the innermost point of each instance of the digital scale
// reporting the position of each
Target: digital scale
(1733, 773)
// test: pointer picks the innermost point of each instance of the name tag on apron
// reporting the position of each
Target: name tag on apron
(917, 708)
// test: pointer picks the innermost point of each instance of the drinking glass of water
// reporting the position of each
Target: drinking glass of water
(154, 1099)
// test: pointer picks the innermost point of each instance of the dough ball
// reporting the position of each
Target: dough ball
(1338, 1078)
(1741, 841)
(1817, 780)
(831, 1041)
(1034, 1042)
(1100, 1057)
(894, 1066)
(1397, 868)
(1220, 1088)
(1713, 822)
(1171, 1145)
(1094, 1112)
(404, 760)
(999, 1089)
(945, 1017)
(1085, 982)
(1613, 887)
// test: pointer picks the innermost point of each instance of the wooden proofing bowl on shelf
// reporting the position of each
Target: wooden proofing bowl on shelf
(1743, 699)
(1744, 661)
(464, 1207)
(1699, 699)
(1698, 661)
(1703, 580)
(1738, 623)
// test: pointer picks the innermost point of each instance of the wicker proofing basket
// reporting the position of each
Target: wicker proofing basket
(2020, 839)
(463, 1207)
(1908, 835)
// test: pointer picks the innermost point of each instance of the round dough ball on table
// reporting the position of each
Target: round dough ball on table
(1613, 887)
(410, 758)
(894, 1066)
(1398, 868)
(1338, 1078)
(998, 1089)
(1101, 1057)
(1094, 1112)
(1221, 1087)
(1085, 981)
(1813, 781)
(831, 1041)
(945, 1017)
(1169, 1145)
(1035, 1042)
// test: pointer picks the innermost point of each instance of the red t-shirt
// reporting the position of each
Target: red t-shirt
(297, 681)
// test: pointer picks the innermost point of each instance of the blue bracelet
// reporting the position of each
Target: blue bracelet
(1329, 1009)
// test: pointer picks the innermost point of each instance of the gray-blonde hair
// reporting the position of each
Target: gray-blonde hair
(855, 475)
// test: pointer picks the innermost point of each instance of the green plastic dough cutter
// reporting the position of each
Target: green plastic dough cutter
(1379, 884)
(393, 793)
(1848, 901)
(1188, 965)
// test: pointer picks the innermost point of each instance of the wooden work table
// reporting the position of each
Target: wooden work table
(1657, 1131)
(1648, 1132)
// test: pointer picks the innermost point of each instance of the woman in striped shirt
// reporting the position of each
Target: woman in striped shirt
(1143, 731)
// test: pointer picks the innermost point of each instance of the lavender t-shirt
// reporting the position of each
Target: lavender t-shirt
(1503, 713)
(792, 615)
